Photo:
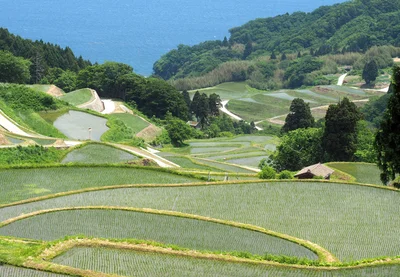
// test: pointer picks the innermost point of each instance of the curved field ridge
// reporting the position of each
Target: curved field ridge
(136, 260)
(19, 184)
(98, 154)
(360, 224)
(187, 230)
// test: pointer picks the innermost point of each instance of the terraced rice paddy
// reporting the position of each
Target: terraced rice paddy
(76, 125)
(12, 271)
(98, 154)
(184, 232)
(246, 150)
(14, 140)
(223, 166)
(226, 91)
(186, 162)
(363, 172)
(19, 184)
(263, 105)
(360, 223)
(131, 263)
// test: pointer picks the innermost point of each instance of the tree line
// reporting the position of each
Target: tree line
(353, 26)
(42, 56)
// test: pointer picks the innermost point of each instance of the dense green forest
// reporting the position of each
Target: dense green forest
(43, 56)
(353, 26)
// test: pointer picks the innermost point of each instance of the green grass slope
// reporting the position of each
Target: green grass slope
(362, 172)
(77, 97)
(98, 154)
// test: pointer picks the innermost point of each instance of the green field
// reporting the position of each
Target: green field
(226, 91)
(131, 121)
(132, 263)
(262, 105)
(42, 88)
(360, 224)
(98, 154)
(77, 97)
(363, 172)
(246, 150)
(223, 166)
(184, 232)
(19, 184)
(186, 162)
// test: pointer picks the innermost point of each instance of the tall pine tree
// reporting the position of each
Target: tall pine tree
(340, 135)
(387, 140)
(299, 116)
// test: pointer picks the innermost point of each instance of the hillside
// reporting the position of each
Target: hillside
(348, 27)
(43, 55)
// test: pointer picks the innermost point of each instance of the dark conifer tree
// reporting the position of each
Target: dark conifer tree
(194, 106)
(340, 135)
(187, 99)
(370, 72)
(387, 140)
(247, 50)
(299, 116)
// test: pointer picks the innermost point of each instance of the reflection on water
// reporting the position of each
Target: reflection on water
(75, 125)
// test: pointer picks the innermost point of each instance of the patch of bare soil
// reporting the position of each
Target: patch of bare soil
(4, 140)
(119, 109)
(396, 60)
(55, 91)
(59, 143)
(149, 133)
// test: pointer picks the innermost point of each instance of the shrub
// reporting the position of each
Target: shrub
(267, 173)
(286, 174)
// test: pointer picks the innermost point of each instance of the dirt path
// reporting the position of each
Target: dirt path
(109, 106)
(10, 126)
(148, 155)
(341, 79)
(232, 115)
(225, 110)
(55, 91)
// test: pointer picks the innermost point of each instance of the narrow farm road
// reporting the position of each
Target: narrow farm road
(10, 126)
(225, 110)
(232, 115)
(341, 79)
(109, 106)
(148, 155)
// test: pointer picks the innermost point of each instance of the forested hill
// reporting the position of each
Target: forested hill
(347, 27)
(42, 55)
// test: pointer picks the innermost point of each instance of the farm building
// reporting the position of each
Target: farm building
(194, 124)
(314, 170)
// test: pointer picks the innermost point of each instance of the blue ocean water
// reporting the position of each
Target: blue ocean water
(136, 32)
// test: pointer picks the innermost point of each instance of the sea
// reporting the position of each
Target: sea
(136, 32)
